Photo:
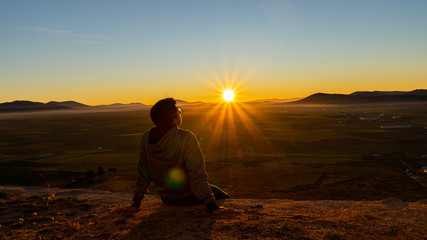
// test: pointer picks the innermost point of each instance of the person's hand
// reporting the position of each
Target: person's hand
(128, 209)
(222, 210)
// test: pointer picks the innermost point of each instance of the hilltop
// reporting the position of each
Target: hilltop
(19, 105)
(52, 213)
(419, 95)
(29, 106)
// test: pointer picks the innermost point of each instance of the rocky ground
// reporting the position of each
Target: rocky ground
(50, 213)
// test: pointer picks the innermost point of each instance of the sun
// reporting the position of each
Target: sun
(228, 95)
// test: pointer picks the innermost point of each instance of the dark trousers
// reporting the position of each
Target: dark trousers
(192, 200)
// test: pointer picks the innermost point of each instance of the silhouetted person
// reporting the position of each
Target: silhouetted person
(171, 158)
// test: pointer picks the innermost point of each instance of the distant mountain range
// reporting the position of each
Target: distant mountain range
(26, 106)
(274, 100)
(419, 95)
(19, 106)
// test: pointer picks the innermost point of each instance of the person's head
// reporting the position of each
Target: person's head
(165, 113)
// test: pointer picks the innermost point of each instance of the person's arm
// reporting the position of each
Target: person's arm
(198, 177)
(143, 179)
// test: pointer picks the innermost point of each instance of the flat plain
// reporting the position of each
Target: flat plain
(252, 150)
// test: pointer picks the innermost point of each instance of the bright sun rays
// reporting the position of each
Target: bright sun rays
(229, 128)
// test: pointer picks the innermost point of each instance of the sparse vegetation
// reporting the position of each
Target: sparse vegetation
(4, 194)
(282, 151)
(304, 153)
(333, 235)
(75, 217)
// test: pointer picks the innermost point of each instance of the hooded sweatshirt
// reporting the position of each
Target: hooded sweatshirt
(175, 164)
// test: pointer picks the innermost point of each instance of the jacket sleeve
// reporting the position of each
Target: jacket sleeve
(143, 179)
(197, 175)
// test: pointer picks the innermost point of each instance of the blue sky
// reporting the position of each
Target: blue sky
(100, 52)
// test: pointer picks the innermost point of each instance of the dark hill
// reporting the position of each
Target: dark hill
(366, 97)
(68, 104)
(18, 106)
(27, 106)
(23, 106)
(121, 106)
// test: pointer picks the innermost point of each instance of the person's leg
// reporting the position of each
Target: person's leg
(219, 193)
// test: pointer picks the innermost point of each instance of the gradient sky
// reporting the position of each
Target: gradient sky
(101, 52)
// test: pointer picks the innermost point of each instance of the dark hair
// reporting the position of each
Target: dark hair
(163, 112)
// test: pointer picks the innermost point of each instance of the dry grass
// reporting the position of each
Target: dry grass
(87, 216)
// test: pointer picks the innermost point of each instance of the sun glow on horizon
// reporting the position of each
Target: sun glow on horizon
(228, 95)
(233, 126)
(230, 124)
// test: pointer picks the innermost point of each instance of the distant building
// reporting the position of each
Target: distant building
(395, 126)
(370, 118)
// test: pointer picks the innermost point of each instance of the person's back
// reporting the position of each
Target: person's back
(175, 165)
(171, 158)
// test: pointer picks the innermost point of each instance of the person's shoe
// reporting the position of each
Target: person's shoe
(218, 193)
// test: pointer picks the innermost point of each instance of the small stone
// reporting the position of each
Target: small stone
(394, 203)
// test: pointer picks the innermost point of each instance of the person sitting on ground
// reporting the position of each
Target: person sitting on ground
(171, 158)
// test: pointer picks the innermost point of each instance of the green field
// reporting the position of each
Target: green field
(252, 150)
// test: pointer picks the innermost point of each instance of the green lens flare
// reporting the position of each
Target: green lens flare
(175, 178)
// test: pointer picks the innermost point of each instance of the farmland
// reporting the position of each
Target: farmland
(252, 150)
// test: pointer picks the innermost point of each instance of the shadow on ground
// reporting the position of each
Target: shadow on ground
(171, 223)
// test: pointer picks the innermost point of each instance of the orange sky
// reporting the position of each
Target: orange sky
(142, 52)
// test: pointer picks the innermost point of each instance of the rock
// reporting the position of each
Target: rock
(394, 203)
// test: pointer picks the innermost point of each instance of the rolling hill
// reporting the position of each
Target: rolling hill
(21, 106)
(419, 95)
(29, 106)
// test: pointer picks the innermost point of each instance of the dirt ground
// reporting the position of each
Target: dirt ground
(49, 213)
